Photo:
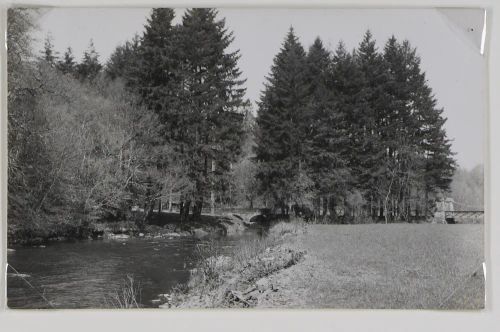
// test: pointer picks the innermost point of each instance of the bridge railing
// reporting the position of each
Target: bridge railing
(471, 216)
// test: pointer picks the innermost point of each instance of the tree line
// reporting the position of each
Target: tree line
(353, 134)
(165, 120)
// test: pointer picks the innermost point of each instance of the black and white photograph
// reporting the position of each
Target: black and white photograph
(239, 158)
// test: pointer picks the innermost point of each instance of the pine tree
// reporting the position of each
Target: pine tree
(318, 67)
(401, 160)
(155, 78)
(281, 125)
(90, 67)
(418, 149)
(48, 53)
(325, 132)
(350, 108)
(438, 163)
(374, 108)
(211, 98)
(124, 62)
(67, 65)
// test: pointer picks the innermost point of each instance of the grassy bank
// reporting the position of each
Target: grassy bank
(240, 279)
(399, 266)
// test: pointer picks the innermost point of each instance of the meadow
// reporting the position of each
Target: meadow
(397, 266)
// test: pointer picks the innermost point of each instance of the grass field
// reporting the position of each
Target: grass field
(398, 266)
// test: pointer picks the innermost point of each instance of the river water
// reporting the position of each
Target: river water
(86, 274)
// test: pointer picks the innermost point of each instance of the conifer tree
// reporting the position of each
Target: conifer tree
(438, 164)
(374, 71)
(350, 107)
(281, 125)
(325, 132)
(125, 61)
(211, 97)
(155, 77)
(67, 64)
(418, 150)
(90, 66)
(48, 53)
(147, 66)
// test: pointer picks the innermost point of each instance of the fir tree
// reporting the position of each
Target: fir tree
(155, 76)
(349, 106)
(281, 125)
(418, 150)
(374, 108)
(124, 61)
(48, 53)
(147, 65)
(325, 133)
(211, 98)
(90, 66)
(67, 65)
(438, 165)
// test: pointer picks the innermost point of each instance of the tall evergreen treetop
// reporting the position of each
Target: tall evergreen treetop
(205, 41)
(124, 60)
(67, 64)
(159, 27)
(155, 75)
(48, 53)
(319, 65)
(90, 65)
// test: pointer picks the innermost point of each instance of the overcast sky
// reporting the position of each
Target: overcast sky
(448, 43)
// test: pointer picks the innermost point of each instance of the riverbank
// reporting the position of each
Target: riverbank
(400, 266)
(161, 225)
(241, 278)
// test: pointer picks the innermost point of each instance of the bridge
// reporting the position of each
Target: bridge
(451, 216)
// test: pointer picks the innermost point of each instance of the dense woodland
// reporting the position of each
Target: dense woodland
(354, 136)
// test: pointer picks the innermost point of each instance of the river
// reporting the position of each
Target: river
(86, 274)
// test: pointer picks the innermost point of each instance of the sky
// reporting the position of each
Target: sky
(448, 42)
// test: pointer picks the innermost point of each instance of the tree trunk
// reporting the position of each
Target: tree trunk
(316, 208)
(325, 208)
(170, 197)
(212, 202)
(185, 206)
(212, 193)
(333, 212)
(426, 205)
(417, 207)
(198, 206)
(159, 205)
(386, 211)
(148, 212)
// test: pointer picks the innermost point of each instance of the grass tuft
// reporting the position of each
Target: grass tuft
(127, 296)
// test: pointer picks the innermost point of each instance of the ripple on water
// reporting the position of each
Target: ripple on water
(84, 274)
